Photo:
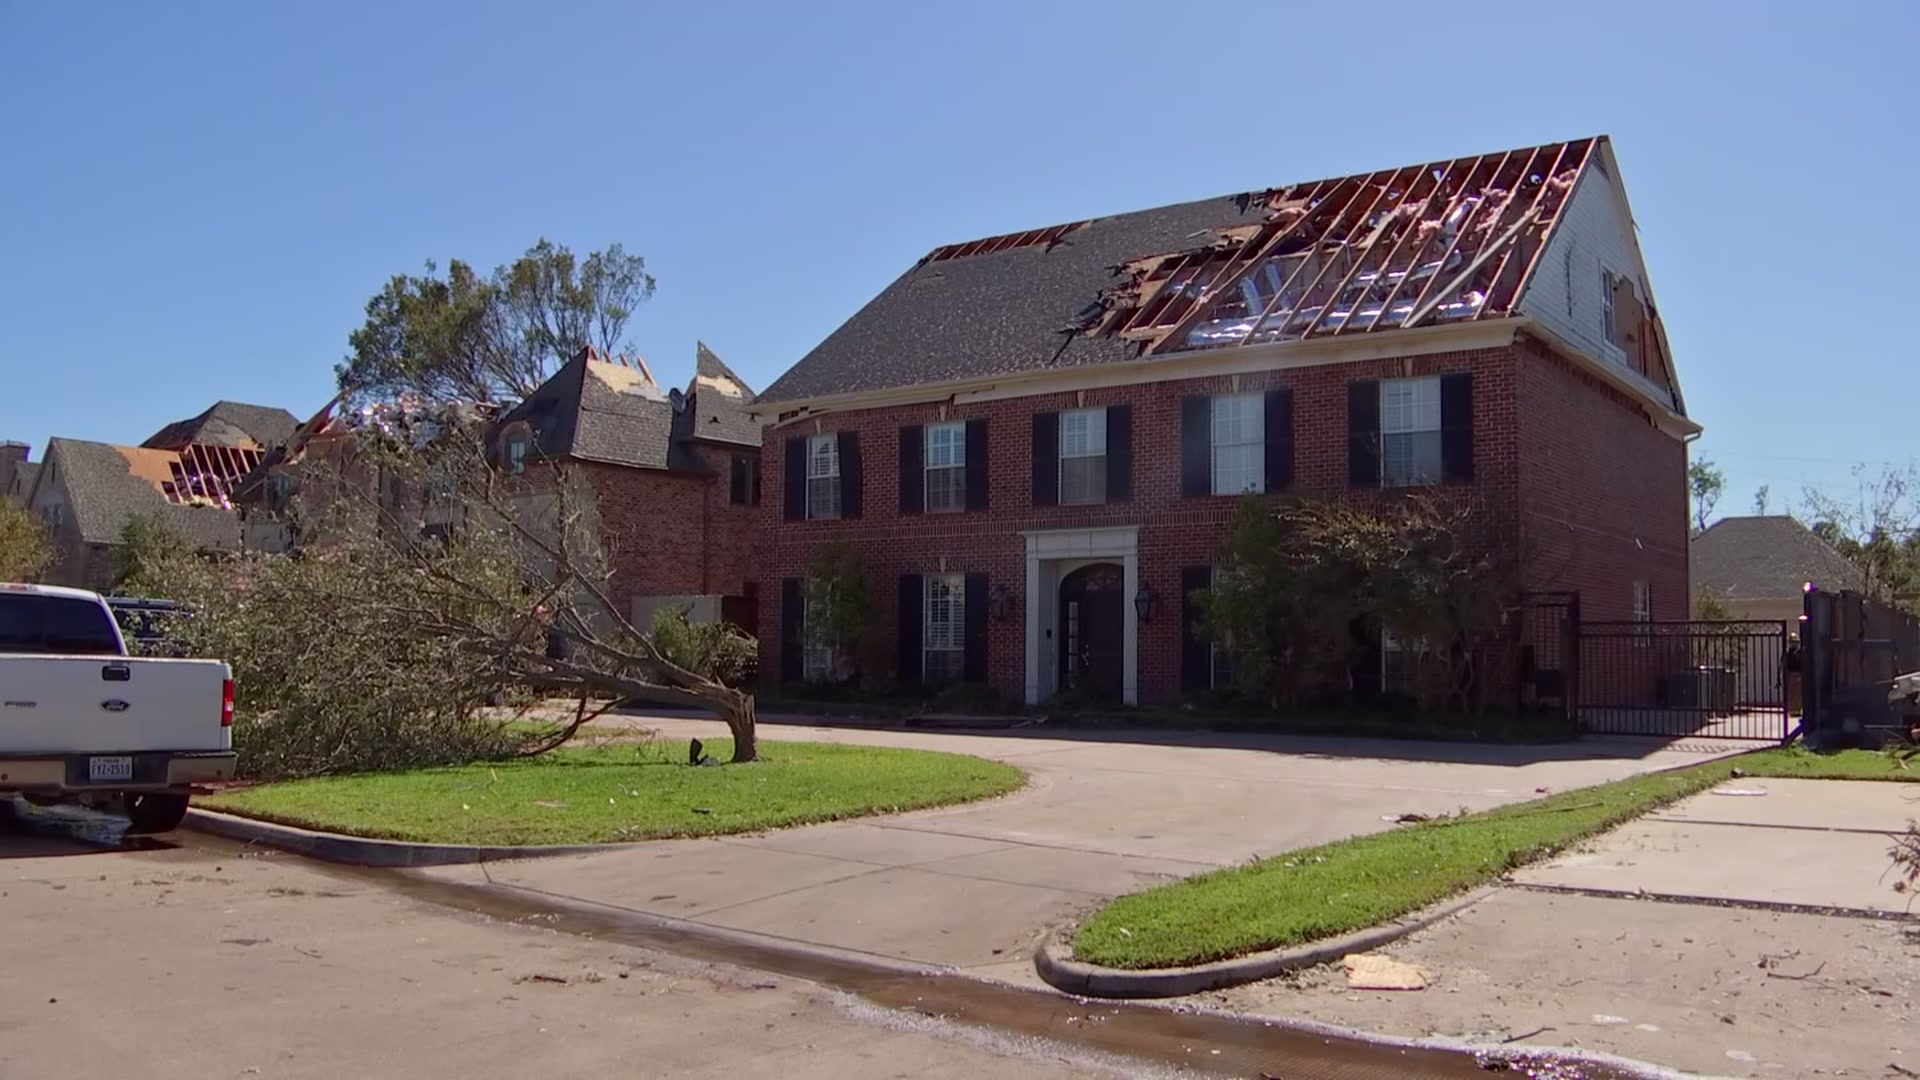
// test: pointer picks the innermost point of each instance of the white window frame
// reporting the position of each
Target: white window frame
(1242, 436)
(945, 469)
(823, 477)
(1607, 315)
(518, 445)
(1094, 432)
(943, 628)
(1416, 420)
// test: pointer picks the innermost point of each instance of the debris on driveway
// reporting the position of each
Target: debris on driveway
(1371, 971)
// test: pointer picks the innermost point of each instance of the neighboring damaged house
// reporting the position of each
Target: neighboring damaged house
(1759, 567)
(183, 476)
(675, 477)
(1035, 440)
(17, 472)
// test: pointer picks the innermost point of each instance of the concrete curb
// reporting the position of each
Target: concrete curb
(364, 851)
(1054, 962)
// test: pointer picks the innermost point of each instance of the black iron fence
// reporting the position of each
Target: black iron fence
(1719, 679)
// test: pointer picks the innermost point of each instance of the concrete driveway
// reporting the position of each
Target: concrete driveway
(1104, 814)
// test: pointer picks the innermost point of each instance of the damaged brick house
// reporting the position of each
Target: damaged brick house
(183, 475)
(673, 477)
(1035, 440)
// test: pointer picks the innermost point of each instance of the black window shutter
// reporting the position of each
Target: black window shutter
(913, 596)
(1196, 658)
(973, 663)
(1119, 453)
(850, 474)
(977, 464)
(753, 479)
(1196, 446)
(793, 607)
(1456, 426)
(1279, 449)
(795, 489)
(737, 482)
(1046, 458)
(1363, 433)
(913, 469)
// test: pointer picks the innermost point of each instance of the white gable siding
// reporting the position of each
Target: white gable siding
(1595, 233)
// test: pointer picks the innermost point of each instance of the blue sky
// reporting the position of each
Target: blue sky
(199, 198)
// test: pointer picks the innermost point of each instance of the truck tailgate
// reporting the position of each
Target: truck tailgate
(80, 704)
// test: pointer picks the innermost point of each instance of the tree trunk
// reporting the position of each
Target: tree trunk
(740, 720)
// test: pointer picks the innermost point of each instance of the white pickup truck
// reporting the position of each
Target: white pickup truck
(80, 720)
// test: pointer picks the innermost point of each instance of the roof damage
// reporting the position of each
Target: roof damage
(1441, 242)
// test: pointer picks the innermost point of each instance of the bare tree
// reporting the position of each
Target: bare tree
(1877, 528)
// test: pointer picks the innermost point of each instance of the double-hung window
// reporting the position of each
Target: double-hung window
(823, 477)
(1410, 432)
(517, 446)
(946, 467)
(1083, 456)
(1642, 613)
(1239, 444)
(943, 640)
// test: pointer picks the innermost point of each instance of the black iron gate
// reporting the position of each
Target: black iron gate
(1718, 679)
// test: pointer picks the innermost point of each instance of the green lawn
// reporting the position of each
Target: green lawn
(1797, 762)
(580, 795)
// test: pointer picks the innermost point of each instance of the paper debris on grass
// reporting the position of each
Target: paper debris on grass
(1371, 971)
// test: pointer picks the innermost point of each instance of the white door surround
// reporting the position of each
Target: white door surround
(1053, 553)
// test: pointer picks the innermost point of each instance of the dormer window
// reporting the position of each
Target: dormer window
(517, 445)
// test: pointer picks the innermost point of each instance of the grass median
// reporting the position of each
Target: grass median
(1348, 885)
(625, 791)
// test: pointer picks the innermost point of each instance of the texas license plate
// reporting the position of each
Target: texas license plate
(109, 768)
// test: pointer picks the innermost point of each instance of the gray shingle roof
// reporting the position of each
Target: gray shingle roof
(1766, 558)
(601, 412)
(24, 474)
(999, 313)
(103, 492)
(228, 423)
(716, 414)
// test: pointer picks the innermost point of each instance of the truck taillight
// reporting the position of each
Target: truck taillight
(226, 703)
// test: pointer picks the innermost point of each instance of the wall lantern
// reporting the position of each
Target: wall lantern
(1144, 601)
(1000, 603)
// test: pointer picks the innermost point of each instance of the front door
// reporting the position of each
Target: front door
(1092, 630)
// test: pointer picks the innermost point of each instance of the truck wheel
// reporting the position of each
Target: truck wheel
(153, 811)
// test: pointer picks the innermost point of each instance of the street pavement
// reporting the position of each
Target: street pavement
(206, 960)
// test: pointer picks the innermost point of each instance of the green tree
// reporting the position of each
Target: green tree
(1297, 576)
(1705, 484)
(26, 549)
(148, 544)
(483, 338)
(839, 604)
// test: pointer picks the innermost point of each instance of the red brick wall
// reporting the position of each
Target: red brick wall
(673, 534)
(1603, 492)
(1174, 531)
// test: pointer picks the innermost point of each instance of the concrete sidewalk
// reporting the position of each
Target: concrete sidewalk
(1820, 843)
(976, 886)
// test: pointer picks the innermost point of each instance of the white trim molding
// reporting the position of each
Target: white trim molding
(1048, 550)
